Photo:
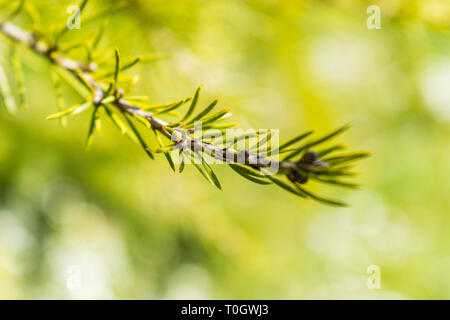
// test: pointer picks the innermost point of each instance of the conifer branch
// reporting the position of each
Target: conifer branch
(299, 165)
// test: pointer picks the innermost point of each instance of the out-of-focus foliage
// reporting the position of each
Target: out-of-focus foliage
(137, 230)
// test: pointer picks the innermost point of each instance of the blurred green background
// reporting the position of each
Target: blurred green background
(137, 230)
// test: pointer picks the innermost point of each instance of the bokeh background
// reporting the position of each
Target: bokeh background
(137, 230)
